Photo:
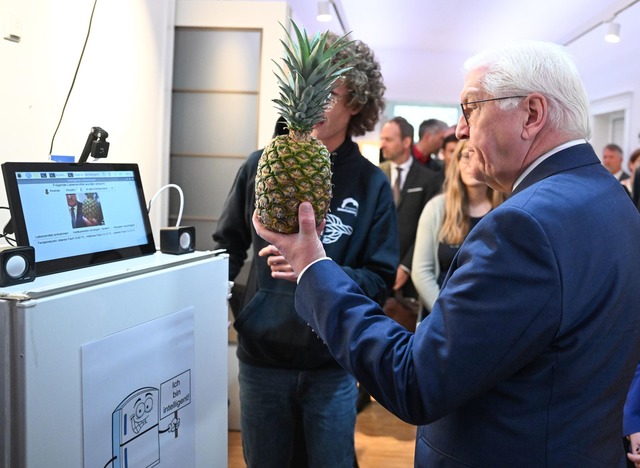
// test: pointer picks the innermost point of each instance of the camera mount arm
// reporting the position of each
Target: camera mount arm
(96, 145)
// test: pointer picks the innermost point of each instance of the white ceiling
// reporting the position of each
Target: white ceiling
(422, 44)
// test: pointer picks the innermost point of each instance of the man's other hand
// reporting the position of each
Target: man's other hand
(299, 249)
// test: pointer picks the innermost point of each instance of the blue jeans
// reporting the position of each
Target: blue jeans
(270, 401)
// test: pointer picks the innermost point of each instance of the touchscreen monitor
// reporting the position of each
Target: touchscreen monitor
(78, 215)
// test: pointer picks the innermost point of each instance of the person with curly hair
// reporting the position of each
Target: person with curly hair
(297, 404)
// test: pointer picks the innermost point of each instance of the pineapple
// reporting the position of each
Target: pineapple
(91, 208)
(296, 167)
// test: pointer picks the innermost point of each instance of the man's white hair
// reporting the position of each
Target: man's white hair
(525, 67)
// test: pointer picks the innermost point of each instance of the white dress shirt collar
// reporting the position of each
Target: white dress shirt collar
(405, 166)
(538, 161)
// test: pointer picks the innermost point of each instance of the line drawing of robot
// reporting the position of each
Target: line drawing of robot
(135, 435)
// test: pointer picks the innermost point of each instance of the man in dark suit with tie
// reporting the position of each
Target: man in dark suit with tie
(413, 186)
(527, 355)
(612, 160)
(75, 211)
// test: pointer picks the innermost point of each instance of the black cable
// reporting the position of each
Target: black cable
(8, 229)
(10, 240)
(75, 75)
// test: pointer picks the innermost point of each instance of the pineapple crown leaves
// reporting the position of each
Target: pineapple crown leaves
(311, 76)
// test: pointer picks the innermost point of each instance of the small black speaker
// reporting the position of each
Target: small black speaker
(17, 265)
(178, 240)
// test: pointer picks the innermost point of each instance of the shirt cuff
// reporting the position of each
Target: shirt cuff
(307, 267)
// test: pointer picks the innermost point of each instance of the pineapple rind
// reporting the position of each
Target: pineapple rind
(290, 172)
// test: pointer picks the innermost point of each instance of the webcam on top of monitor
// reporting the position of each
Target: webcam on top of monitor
(97, 145)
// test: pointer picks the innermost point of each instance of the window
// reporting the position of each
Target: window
(416, 114)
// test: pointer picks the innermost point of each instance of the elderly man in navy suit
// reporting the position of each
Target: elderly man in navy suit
(527, 355)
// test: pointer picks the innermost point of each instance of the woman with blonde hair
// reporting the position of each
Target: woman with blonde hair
(629, 183)
(446, 221)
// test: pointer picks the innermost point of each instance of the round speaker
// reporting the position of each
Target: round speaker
(186, 241)
(17, 265)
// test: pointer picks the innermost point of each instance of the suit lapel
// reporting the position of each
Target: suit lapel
(386, 168)
(409, 180)
(570, 158)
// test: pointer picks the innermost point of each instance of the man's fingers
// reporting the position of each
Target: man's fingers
(268, 250)
(306, 219)
(261, 230)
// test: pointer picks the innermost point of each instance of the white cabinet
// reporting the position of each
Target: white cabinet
(47, 326)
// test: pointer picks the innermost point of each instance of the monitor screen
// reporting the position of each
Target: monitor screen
(77, 215)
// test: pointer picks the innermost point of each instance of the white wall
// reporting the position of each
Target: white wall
(414, 76)
(612, 81)
(121, 85)
(610, 84)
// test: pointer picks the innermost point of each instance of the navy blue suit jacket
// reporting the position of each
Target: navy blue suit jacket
(79, 220)
(631, 423)
(527, 355)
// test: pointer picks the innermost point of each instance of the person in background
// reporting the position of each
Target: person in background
(631, 422)
(530, 348)
(448, 147)
(612, 160)
(431, 134)
(632, 165)
(413, 186)
(287, 376)
(446, 221)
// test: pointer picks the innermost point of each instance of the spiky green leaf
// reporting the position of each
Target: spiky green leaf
(307, 77)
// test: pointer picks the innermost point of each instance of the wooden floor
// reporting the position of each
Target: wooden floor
(382, 440)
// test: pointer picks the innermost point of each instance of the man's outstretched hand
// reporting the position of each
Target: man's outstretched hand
(299, 249)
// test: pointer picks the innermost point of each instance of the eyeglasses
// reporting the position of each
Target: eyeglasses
(466, 110)
(332, 100)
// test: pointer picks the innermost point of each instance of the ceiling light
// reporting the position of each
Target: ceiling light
(324, 11)
(613, 35)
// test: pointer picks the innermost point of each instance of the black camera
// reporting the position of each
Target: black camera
(97, 145)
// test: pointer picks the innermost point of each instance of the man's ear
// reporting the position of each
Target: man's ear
(354, 111)
(537, 109)
(407, 142)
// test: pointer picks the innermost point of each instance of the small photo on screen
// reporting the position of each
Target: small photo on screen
(85, 209)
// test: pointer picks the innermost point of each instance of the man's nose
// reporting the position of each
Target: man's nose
(462, 129)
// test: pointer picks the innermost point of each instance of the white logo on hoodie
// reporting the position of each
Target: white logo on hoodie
(334, 229)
